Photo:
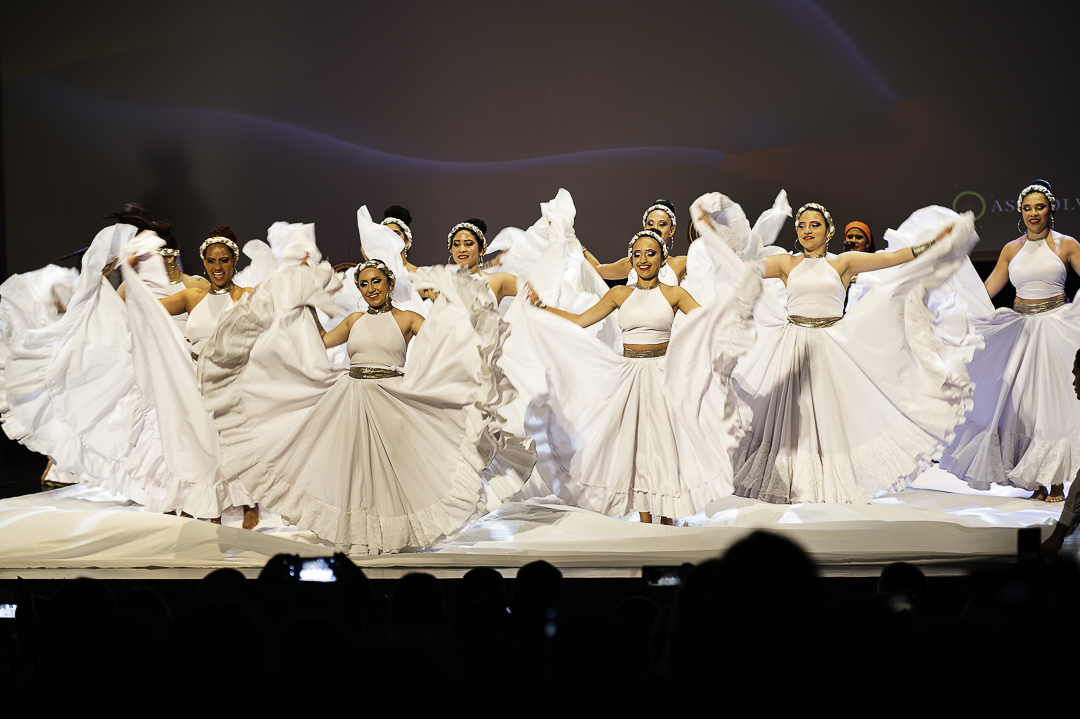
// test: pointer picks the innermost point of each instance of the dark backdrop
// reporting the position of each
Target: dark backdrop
(249, 112)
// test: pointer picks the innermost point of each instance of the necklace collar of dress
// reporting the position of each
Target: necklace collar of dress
(637, 286)
(222, 291)
(808, 256)
(380, 310)
(1029, 238)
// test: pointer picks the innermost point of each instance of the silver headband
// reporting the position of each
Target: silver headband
(471, 228)
(218, 241)
(830, 228)
(166, 252)
(403, 226)
(380, 266)
(666, 210)
(652, 235)
(1035, 188)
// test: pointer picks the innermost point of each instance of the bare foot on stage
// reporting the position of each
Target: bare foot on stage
(216, 520)
(251, 517)
(645, 517)
(1056, 494)
(667, 521)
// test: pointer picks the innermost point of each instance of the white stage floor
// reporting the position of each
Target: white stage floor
(79, 530)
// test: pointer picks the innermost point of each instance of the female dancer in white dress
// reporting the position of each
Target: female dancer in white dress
(651, 431)
(660, 217)
(205, 307)
(381, 458)
(1025, 427)
(812, 372)
(467, 244)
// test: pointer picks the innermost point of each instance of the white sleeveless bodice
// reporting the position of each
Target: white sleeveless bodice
(376, 341)
(203, 319)
(645, 318)
(1037, 272)
(667, 276)
(814, 289)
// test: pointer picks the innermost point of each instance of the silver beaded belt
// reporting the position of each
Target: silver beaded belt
(644, 354)
(372, 373)
(812, 321)
(1034, 308)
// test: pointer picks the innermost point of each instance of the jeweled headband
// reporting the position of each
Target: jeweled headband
(166, 252)
(1035, 188)
(218, 241)
(380, 266)
(830, 228)
(652, 235)
(403, 226)
(471, 228)
(666, 210)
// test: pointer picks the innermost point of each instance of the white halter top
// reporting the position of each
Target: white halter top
(376, 341)
(1037, 272)
(814, 289)
(645, 318)
(203, 319)
(667, 277)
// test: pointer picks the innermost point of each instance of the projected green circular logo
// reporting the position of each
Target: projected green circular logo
(969, 204)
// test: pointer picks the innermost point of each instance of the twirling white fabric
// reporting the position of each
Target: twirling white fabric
(841, 413)
(548, 257)
(618, 435)
(69, 384)
(180, 443)
(30, 301)
(1024, 429)
(373, 465)
(287, 245)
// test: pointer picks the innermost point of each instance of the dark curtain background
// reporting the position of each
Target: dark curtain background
(253, 111)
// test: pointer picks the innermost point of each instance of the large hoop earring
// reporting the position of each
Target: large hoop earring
(1020, 229)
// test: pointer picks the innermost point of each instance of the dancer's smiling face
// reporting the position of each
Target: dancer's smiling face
(220, 263)
(465, 249)
(374, 286)
(1036, 212)
(812, 231)
(647, 258)
(661, 222)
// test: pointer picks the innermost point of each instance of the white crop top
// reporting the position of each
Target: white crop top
(814, 289)
(645, 318)
(203, 320)
(1037, 272)
(376, 341)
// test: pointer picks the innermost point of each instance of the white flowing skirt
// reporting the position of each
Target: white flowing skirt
(618, 435)
(371, 465)
(842, 413)
(1024, 429)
